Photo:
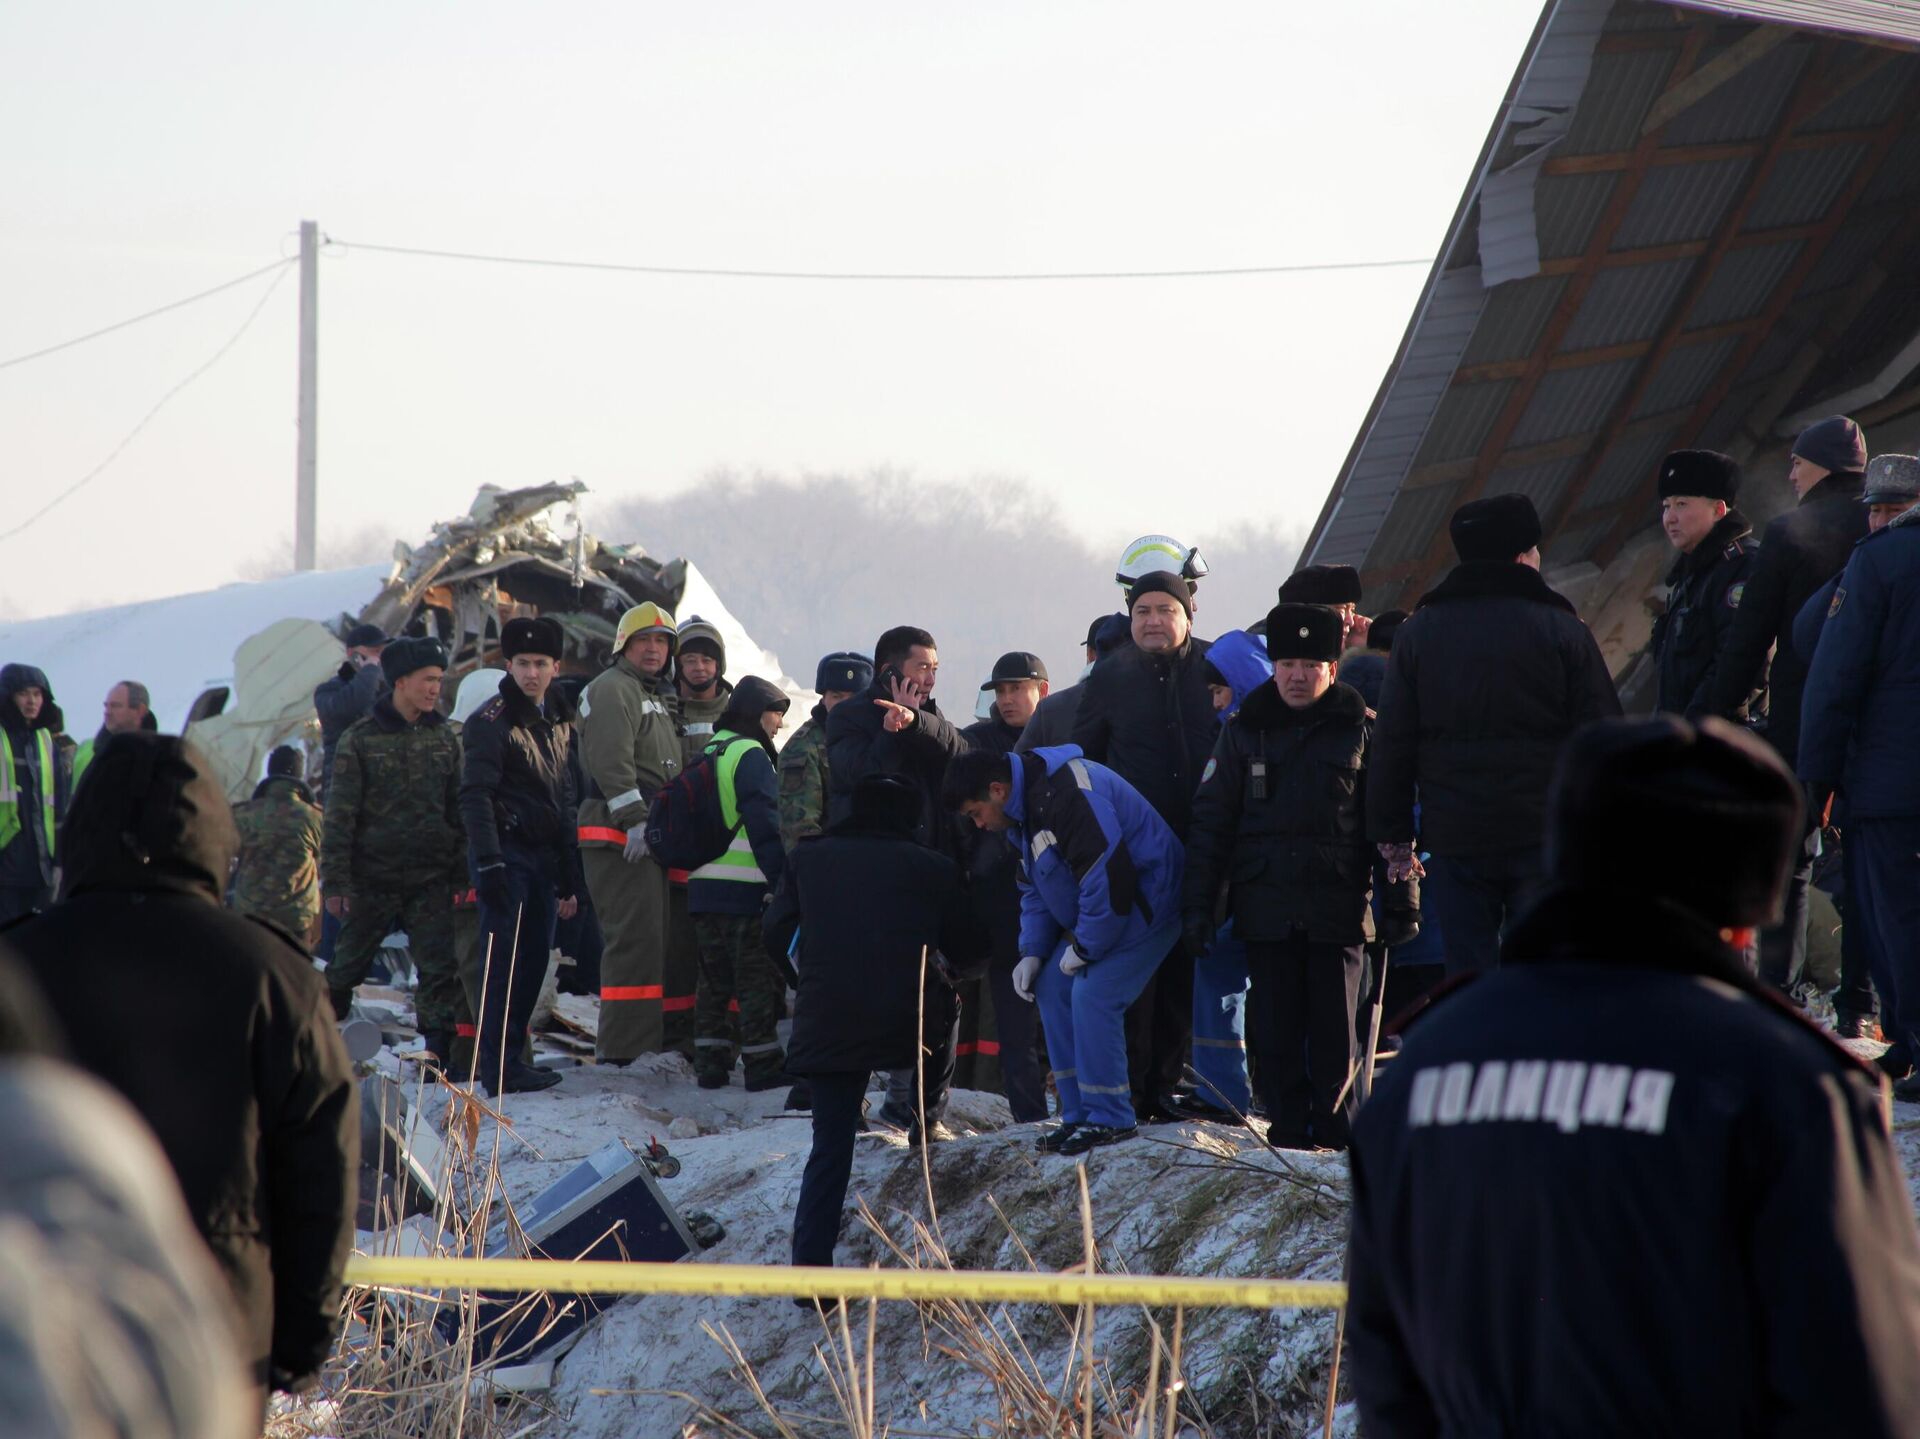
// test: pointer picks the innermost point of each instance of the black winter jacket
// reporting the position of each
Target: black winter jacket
(1610, 1188)
(1704, 591)
(859, 745)
(341, 702)
(1484, 684)
(1280, 816)
(993, 869)
(1052, 722)
(866, 903)
(520, 783)
(217, 1030)
(1799, 552)
(1149, 718)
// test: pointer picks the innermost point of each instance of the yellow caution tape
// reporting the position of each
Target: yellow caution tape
(774, 1280)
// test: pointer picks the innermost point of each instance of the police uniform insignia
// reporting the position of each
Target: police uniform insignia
(1207, 773)
(1733, 594)
(1839, 598)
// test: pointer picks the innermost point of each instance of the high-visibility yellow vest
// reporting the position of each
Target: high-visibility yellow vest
(10, 787)
(738, 862)
(82, 757)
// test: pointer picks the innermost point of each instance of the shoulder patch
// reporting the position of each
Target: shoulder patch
(1213, 766)
(1734, 592)
(1839, 598)
(586, 702)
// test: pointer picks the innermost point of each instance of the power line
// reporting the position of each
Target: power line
(150, 314)
(133, 434)
(710, 273)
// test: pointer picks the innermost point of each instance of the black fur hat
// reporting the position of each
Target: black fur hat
(1497, 528)
(1700, 472)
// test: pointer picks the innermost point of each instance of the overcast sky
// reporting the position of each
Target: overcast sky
(158, 150)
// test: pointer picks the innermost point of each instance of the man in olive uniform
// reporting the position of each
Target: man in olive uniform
(394, 848)
(630, 748)
(278, 876)
(803, 762)
(1717, 552)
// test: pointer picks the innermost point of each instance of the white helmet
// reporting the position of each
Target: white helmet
(476, 689)
(1151, 554)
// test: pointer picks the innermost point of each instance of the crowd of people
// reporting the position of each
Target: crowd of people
(1184, 887)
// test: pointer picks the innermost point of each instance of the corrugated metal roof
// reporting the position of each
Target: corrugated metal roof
(1568, 99)
(1876, 19)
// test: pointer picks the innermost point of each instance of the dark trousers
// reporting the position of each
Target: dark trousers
(1300, 1009)
(1159, 1030)
(1015, 1021)
(1855, 995)
(17, 901)
(1474, 897)
(1783, 947)
(823, 1186)
(1888, 905)
(514, 944)
(941, 1039)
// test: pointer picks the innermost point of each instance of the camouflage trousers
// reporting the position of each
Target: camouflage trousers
(734, 964)
(426, 914)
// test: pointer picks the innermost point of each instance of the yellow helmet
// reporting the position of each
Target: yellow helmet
(642, 617)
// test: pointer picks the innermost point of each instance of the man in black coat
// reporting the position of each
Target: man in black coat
(1147, 714)
(1708, 578)
(871, 906)
(895, 728)
(1053, 717)
(217, 1030)
(1484, 684)
(1799, 552)
(347, 697)
(1280, 818)
(1019, 686)
(1616, 1187)
(518, 796)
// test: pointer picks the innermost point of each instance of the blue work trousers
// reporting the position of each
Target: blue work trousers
(1219, 1022)
(1084, 1019)
(1886, 904)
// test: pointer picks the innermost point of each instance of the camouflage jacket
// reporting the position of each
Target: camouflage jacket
(803, 781)
(393, 805)
(697, 719)
(278, 876)
(629, 731)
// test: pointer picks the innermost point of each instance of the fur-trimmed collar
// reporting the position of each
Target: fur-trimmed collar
(1727, 531)
(1501, 579)
(1265, 710)
(522, 711)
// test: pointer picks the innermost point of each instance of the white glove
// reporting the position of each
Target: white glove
(636, 849)
(1024, 974)
(1072, 962)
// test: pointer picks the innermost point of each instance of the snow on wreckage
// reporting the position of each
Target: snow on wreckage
(235, 668)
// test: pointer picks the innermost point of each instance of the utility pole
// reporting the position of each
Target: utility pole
(306, 501)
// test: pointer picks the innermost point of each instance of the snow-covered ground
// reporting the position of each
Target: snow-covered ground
(1185, 1199)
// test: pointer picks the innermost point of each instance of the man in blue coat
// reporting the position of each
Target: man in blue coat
(1100, 876)
(1856, 740)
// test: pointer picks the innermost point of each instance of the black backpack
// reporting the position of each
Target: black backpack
(686, 825)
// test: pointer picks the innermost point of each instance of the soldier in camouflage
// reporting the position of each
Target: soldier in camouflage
(395, 847)
(277, 878)
(803, 763)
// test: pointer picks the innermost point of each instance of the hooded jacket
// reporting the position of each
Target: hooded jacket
(216, 1029)
(1241, 660)
(1149, 718)
(1096, 861)
(1799, 552)
(26, 860)
(1281, 818)
(1704, 590)
(518, 784)
(1484, 684)
(866, 900)
(1610, 1188)
(1863, 689)
(738, 882)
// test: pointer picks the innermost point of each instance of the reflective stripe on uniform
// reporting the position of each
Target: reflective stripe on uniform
(1080, 775)
(623, 799)
(737, 862)
(978, 1046)
(590, 833)
(675, 1003)
(632, 991)
(10, 788)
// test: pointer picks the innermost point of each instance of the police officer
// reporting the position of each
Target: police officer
(1717, 552)
(630, 748)
(518, 799)
(1615, 1187)
(1857, 741)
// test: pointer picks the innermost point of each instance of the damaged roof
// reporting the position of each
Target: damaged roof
(1691, 225)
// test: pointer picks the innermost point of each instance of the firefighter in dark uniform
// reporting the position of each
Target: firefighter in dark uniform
(1616, 1186)
(1717, 550)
